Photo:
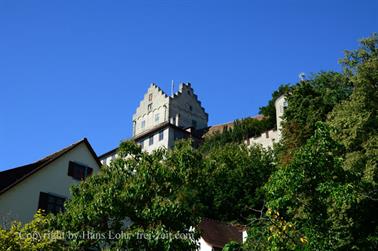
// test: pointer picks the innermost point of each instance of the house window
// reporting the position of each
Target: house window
(161, 135)
(157, 117)
(143, 124)
(149, 107)
(151, 140)
(267, 134)
(150, 97)
(51, 203)
(77, 171)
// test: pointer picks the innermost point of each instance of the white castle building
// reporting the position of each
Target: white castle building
(160, 120)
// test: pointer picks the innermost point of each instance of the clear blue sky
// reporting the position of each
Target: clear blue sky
(74, 69)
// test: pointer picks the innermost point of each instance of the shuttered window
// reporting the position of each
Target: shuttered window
(78, 171)
(50, 203)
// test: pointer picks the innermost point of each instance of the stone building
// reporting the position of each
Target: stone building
(160, 120)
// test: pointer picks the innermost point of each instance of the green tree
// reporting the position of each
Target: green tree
(310, 101)
(234, 175)
(356, 128)
(145, 196)
(34, 236)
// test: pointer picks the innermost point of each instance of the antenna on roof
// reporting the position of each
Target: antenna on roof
(172, 88)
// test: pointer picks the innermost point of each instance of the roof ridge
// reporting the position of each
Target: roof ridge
(15, 175)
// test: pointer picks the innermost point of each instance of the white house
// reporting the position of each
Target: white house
(45, 184)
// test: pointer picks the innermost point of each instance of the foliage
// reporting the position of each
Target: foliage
(232, 246)
(269, 111)
(237, 173)
(310, 101)
(356, 127)
(239, 131)
(31, 236)
(144, 196)
(326, 190)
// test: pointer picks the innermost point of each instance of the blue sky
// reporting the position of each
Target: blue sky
(74, 69)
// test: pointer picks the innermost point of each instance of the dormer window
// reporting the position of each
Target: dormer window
(150, 97)
(78, 171)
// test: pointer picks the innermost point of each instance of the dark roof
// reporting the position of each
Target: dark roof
(11, 177)
(218, 234)
(153, 130)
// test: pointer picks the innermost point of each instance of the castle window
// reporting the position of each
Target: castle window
(141, 143)
(51, 203)
(151, 140)
(143, 124)
(77, 171)
(190, 108)
(150, 97)
(149, 107)
(189, 93)
(161, 135)
(157, 117)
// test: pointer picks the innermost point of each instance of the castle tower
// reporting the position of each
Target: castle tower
(160, 120)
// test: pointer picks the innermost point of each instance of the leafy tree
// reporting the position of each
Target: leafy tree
(310, 101)
(312, 195)
(34, 235)
(144, 196)
(234, 175)
(356, 128)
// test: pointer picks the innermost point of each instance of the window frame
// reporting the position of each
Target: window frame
(45, 204)
(78, 171)
(151, 140)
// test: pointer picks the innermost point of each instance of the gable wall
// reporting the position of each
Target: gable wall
(180, 105)
(159, 103)
(21, 201)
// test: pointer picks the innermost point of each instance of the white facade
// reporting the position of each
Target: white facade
(268, 138)
(21, 200)
(160, 120)
(183, 109)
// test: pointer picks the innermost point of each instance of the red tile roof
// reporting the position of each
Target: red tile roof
(217, 234)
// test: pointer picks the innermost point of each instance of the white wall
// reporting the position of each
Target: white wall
(159, 103)
(21, 201)
(181, 104)
(204, 246)
(266, 139)
(157, 143)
